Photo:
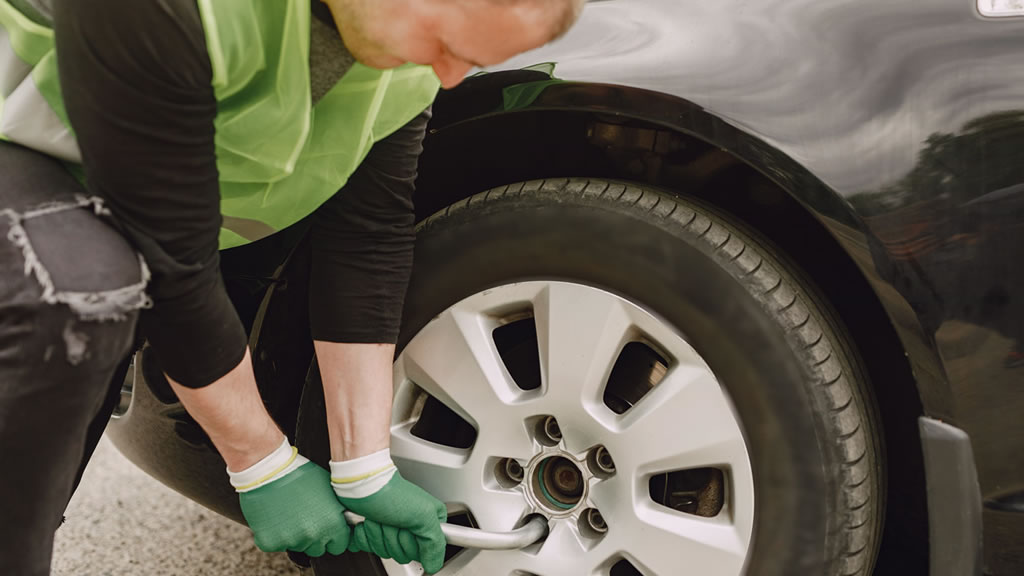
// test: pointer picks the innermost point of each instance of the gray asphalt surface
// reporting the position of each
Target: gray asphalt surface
(122, 522)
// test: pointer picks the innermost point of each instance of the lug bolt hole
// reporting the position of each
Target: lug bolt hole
(592, 524)
(509, 472)
(551, 430)
(601, 462)
(596, 521)
(513, 470)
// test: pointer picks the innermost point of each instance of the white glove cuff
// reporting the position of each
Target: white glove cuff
(278, 463)
(362, 476)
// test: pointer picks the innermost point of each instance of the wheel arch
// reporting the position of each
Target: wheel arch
(483, 135)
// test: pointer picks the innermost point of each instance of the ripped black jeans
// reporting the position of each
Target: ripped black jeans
(70, 290)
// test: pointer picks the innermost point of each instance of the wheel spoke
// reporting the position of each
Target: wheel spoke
(438, 469)
(393, 568)
(684, 422)
(646, 532)
(454, 360)
(482, 563)
(496, 509)
(562, 553)
(716, 549)
(659, 541)
(580, 332)
(456, 480)
(505, 438)
(615, 498)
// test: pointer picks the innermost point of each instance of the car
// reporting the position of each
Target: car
(711, 287)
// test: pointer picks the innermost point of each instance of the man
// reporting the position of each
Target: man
(205, 124)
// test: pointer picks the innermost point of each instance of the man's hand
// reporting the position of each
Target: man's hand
(286, 499)
(403, 521)
(289, 505)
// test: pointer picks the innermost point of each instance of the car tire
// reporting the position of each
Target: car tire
(792, 374)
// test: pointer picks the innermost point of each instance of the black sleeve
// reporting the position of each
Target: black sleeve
(363, 240)
(136, 79)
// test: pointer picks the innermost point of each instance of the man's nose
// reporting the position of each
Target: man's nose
(451, 71)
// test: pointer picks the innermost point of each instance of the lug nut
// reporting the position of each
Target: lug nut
(595, 521)
(603, 460)
(551, 429)
(514, 470)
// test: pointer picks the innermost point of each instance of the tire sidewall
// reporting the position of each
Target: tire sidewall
(538, 237)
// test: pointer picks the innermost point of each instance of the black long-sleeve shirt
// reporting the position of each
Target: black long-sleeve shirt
(136, 79)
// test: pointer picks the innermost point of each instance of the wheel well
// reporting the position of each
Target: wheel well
(470, 157)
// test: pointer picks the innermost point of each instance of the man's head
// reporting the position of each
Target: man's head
(452, 36)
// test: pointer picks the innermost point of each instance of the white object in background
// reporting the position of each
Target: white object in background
(998, 8)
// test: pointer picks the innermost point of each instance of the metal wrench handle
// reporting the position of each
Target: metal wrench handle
(465, 537)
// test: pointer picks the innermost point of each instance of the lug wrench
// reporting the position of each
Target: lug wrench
(466, 537)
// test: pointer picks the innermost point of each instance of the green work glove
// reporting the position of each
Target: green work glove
(403, 521)
(288, 504)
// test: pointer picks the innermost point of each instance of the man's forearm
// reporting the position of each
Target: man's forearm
(357, 390)
(232, 414)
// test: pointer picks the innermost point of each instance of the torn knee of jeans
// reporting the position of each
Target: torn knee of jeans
(79, 260)
(76, 343)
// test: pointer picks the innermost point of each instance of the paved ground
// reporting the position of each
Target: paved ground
(122, 522)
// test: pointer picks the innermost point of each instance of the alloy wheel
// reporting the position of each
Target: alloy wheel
(569, 402)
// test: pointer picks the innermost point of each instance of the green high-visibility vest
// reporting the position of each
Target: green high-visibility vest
(279, 155)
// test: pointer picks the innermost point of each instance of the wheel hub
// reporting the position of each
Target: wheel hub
(559, 483)
(556, 483)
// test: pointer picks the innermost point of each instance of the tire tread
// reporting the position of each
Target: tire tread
(789, 299)
(810, 331)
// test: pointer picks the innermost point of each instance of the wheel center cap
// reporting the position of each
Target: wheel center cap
(558, 483)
